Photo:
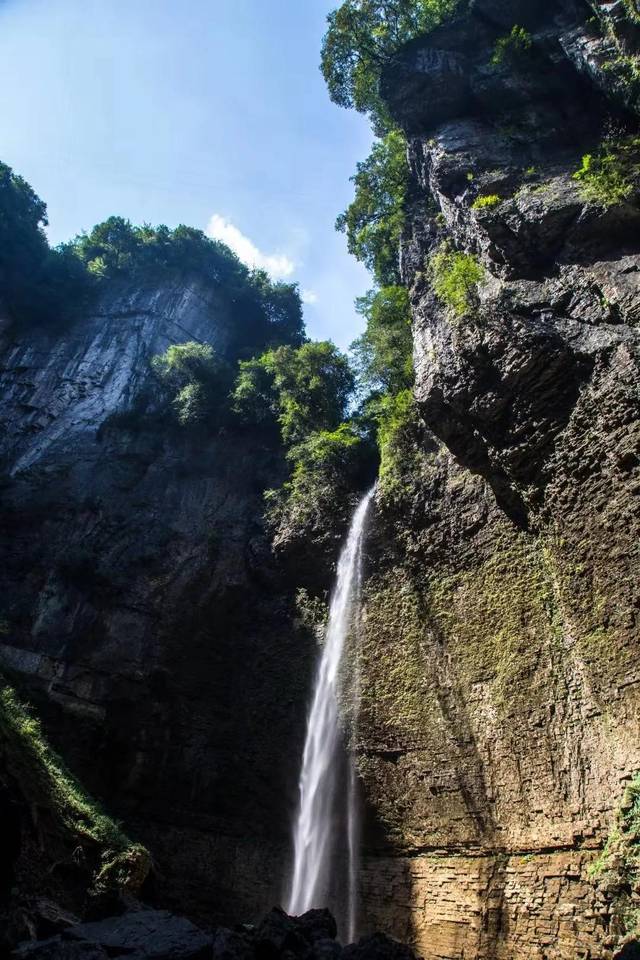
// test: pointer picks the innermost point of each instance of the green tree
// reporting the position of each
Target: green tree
(303, 389)
(196, 380)
(264, 313)
(361, 37)
(384, 352)
(374, 221)
(35, 281)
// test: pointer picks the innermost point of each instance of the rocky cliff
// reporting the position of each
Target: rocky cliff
(499, 737)
(144, 612)
(141, 609)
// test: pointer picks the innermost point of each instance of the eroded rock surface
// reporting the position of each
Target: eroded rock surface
(501, 633)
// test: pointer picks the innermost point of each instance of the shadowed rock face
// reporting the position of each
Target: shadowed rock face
(500, 705)
(141, 607)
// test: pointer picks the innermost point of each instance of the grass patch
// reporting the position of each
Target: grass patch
(48, 784)
(487, 202)
(610, 176)
(456, 278)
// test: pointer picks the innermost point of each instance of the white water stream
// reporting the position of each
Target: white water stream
(314, 872)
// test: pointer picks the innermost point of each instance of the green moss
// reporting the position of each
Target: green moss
(47, 784)
(487, 202)
(498, 617)
(617, 869)
(612, 175)
(456, 277)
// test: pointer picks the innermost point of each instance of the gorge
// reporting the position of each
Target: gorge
(165, 627)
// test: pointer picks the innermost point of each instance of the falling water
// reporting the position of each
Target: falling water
(320, 773)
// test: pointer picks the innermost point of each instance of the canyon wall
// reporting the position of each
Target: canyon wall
(144, 610)
(141, 609)
(501, 690)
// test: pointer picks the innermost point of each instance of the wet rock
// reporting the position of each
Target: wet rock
(58, 948)
(324, 949)
(377, 946)
(317, 925)
(150, 934)
(278, 934)
(232, 945)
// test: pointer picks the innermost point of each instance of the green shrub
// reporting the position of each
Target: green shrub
(327, 467)
(303, 389)
(395, 415)
(618, 866)
(456, 277)
(508, 48)
(486, 202)
(612, 175)
(48, 785)
(195, 378)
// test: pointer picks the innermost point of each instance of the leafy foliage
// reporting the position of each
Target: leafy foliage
(508, 48)
(267, 313)
(327, 466)
(374, 221)
(456, 277)
(617, 868)
(396, 416)
(35, 281)
(486, 202)
(612, 175)
(384, 352)
(361, 36)
(195, 377)
(303, 389)
(47, 783)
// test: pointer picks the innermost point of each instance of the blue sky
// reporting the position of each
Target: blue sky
(211, 113)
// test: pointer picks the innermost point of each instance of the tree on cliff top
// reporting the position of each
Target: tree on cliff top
(265, 313)
(361, 36)
(373, 222)
(34, 280)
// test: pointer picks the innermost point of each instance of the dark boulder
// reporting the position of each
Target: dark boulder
(232, 945)
(278, 934)
(378, 946)
(317, 925)
(57, 948)
(155, 934)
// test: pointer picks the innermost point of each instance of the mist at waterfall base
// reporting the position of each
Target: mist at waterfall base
(326, 828)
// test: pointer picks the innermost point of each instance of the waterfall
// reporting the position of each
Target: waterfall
(320, 776)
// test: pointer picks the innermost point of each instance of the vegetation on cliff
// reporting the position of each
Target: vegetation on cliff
(374, 221)
(30, 766)
(35, 281)
(45, 285)
(362, 35)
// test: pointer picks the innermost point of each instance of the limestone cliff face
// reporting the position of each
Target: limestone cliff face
(140, 602)
(501, 704)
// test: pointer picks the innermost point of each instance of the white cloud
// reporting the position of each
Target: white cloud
(277, 264)
(309, 296)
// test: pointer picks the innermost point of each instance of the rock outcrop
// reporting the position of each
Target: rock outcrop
(141, 609)
(501, 692)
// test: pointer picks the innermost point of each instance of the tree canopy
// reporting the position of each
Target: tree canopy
(304, 389)
(384, 352)
(196, 379)
(34, 279)
(361, 36)
(374, 221)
